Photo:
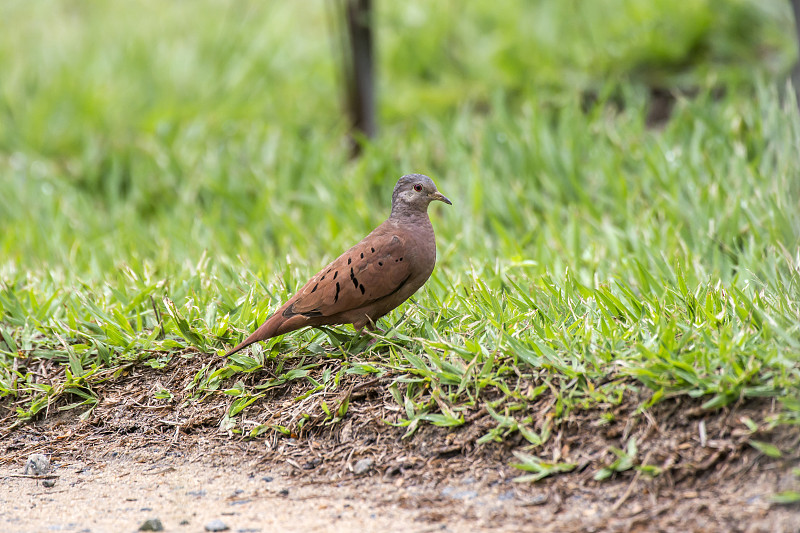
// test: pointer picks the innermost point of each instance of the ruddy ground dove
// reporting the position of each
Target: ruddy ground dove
(371, 278)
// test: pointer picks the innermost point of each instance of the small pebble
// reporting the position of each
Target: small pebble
(38, 464)
(151, 524)
(362, 466)
(283, 492)
(538, 499)
(312, 464)
(49, 483)
(216, 525)
(267, 479)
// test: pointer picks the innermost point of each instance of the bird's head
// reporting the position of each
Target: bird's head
(413, 193)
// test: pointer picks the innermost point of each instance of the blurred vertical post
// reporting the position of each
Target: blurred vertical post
(796, 69)
(357, 68)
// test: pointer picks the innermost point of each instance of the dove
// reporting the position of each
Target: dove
(373, 277)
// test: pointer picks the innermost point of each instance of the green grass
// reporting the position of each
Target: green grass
(169, 173)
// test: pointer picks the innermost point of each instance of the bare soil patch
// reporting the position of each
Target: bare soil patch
(136, 457)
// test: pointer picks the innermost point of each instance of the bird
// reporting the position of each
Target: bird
(373, 277)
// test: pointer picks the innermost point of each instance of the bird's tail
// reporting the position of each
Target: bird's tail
(267, 330)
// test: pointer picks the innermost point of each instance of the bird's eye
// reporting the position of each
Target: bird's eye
(418, 187)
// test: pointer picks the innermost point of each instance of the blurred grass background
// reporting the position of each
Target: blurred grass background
(127, 128)
(197, 152)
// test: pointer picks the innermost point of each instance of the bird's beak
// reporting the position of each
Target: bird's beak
(441, 197)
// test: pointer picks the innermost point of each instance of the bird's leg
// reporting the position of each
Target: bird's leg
(371, 326)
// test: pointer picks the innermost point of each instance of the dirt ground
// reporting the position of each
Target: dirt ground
(135, 458)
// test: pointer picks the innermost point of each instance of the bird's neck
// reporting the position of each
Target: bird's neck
(404, 216)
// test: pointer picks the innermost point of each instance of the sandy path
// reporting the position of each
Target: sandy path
(121, 494)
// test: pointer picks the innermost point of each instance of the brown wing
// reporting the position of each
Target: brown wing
(372, 269)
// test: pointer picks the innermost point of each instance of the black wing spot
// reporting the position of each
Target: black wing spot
(349, 260)
(323, 277)
(336, 296)
(361, 288)
(373, 250)
(362, 255)
(353, 278)
(289, 312)
(335, 274)
(401, 259)
(380, 263)
(315, 287)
